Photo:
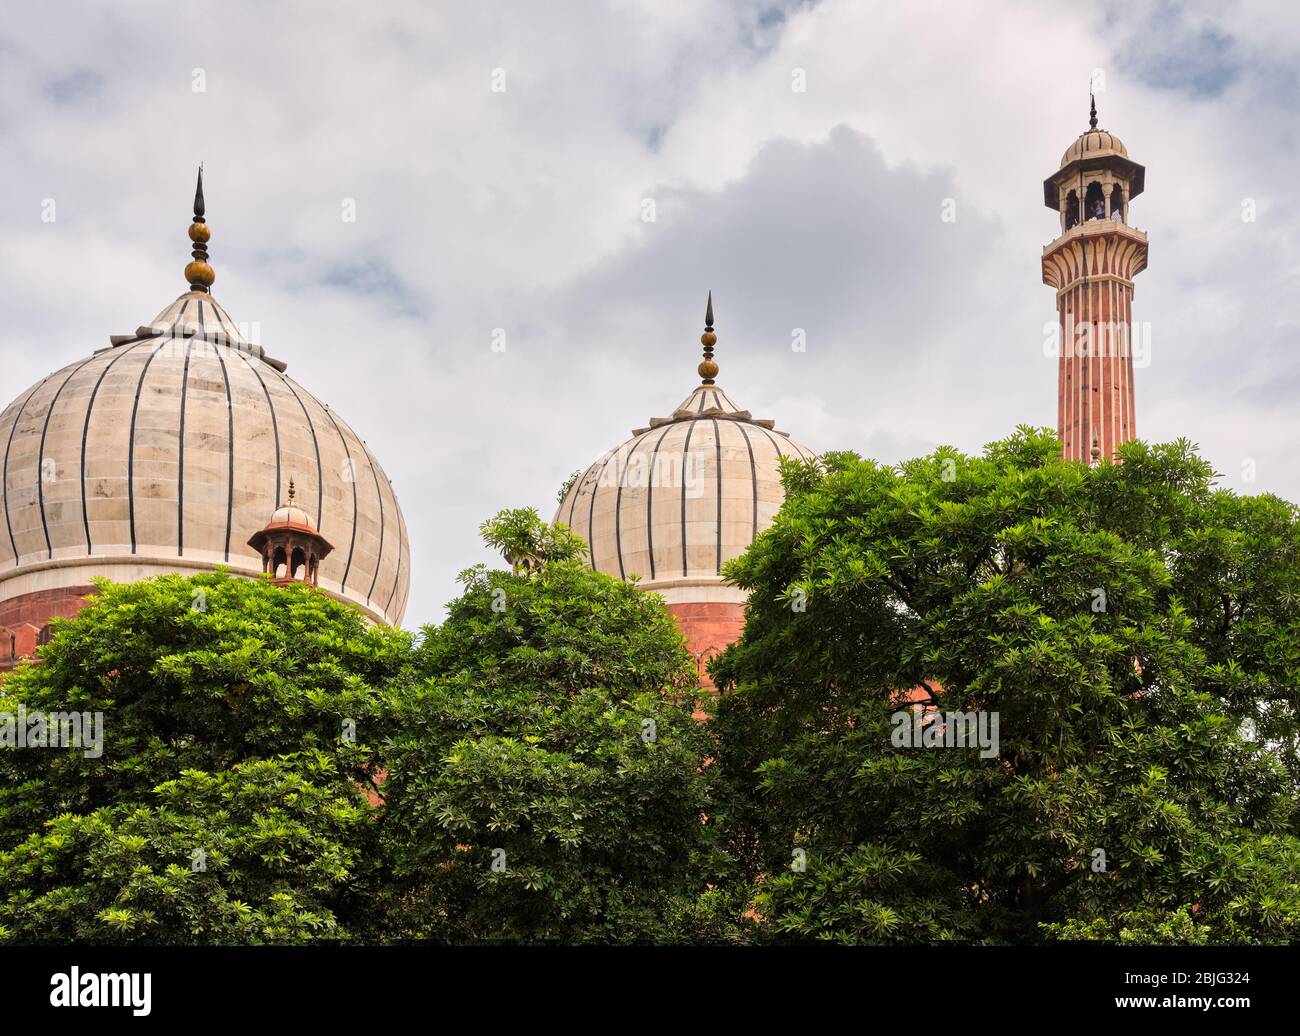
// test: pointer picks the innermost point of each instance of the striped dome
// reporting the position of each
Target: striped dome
(168, 450)
(682, 497)
(292, 516)
(1094, 144)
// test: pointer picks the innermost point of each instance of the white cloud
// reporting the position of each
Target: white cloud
(521, 210)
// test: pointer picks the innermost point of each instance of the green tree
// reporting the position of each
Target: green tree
(548, 783)
(230, 801)
(1120, 621)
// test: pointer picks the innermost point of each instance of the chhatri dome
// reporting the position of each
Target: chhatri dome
(166, 451)
(680, 498)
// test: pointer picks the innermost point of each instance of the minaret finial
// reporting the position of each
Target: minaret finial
(1092, 115)
(1096, 449)
(199, 273)
(291, 491)
(708, 369)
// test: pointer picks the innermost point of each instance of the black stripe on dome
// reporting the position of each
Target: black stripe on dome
(591, 513)
(406, 591)
(650, 499)
(717, 438)
(275, 424)
(686, 451)
(576, 491)
(775, 445)
(618, 507)
(4, 478)
(377, 471)
(374, 473)
(320, 475)
(401, 541)
(85, 433)
(352, 477)
(130, 452)
(180, 452)
(804, 453)
(40, 456)
(230, 451)
(753, 474)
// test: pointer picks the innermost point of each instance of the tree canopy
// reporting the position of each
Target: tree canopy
(229, 802)
(548, 782)
(1119, 644)
(1132, 629)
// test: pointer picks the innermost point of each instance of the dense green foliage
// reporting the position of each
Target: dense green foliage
(228, 804)
(1123, 622)
(536, 768)
(548, 782)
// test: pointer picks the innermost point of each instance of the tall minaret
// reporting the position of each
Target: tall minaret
(1092, 265)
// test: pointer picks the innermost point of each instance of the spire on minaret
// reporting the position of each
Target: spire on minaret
(708, 369)
(1092, 115)
(291, 491)
(199, 273)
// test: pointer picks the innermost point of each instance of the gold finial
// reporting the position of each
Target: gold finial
(1096, 449)
(291, 492)
(708, 369)
(199, 273)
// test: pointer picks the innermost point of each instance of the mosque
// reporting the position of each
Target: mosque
(184, 446)
(167, 451)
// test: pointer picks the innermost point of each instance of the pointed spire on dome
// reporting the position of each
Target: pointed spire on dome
(199, 273)
(1092, 115)
(291, 492)
(708, 369)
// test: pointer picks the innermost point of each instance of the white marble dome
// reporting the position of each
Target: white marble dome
(1094, 143)
(166, 451)
(290, 515)
(679, 499)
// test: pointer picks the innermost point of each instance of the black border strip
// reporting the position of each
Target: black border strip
(650, 498)
(686, 449)
(4, 479)
(618, 502)
(379, 560)
(230, 440)
(180, 444)
(130, 454)
(591, 511)
(275, 424)
(320, 474)
(40, 456)
(753, 474)
(717, 439)
(352, 471)
(85, 433)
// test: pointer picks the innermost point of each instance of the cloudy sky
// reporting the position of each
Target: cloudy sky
(503, 161)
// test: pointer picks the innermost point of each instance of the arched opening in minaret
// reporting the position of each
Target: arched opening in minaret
(1094, 202)
(1117, 203)
(1071, 209)
(278, 563)
(299, 562)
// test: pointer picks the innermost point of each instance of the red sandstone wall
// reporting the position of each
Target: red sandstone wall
(708, 628)
(21, 618)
